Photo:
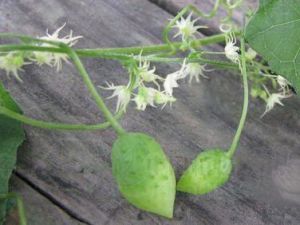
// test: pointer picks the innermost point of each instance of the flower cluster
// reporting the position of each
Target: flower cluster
(54, 59)
(13, 62)
(276, 98)
(143, 95)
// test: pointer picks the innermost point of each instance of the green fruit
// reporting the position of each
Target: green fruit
(208, 171)
(144, 174)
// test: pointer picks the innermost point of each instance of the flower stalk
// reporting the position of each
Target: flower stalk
(238, 133)
(92, 89)
(55, 126)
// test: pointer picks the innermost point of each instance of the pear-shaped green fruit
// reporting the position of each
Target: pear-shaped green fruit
(208, 171)
(144, 174)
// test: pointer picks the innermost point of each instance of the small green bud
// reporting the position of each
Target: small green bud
(208, 171)
(144, 174)
(12, 63)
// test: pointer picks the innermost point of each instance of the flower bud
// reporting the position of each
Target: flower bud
(250, 54)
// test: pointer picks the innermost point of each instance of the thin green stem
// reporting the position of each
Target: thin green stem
(29, 47)
(28, 39)
(54, 126)
(213, 53)
(126, 53)
(237, 136)
(116, 52)
(150, 48)
(92, 89)
(217, 63)
(20, 205)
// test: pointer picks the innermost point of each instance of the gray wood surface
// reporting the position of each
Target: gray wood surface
(73, 170)
(39, 209)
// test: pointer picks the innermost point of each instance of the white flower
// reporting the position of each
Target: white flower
(171, 79)
(144, 97)
(12, 63)
(68, 39)
(122, 93)
(55, 59)
(274, 99)
(231, 51)
(283, 83)
(147, 74)
(162, 99)
(195, 70)
(170, 83)
(186, 27)
(41, 58)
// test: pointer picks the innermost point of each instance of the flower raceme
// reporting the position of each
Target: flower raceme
(143, 95)
(55, 59)
(13, 62)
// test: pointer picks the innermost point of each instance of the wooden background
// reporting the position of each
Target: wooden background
(66, 177)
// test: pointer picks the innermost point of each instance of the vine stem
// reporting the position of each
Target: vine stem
(20, 205)
(109, 52)
(54, 126)
(92, 89)
(237, 136)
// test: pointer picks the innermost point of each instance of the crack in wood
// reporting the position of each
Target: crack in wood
(53, 200)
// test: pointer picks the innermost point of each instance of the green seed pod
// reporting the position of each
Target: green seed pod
(208, 171)
(144, 174)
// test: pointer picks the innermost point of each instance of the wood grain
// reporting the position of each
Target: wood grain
(39, 210)
(74, 169)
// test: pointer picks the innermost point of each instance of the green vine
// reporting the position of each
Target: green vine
(137, 156)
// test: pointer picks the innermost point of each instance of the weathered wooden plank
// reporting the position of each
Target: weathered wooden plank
(39, 210)
(74, 168)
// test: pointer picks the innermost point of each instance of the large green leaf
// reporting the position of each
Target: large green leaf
(274, 32)
(11, 136)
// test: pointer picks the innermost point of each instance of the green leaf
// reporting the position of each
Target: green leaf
(208, 171)
(144, 174)
(11, 136)
(274, 32)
